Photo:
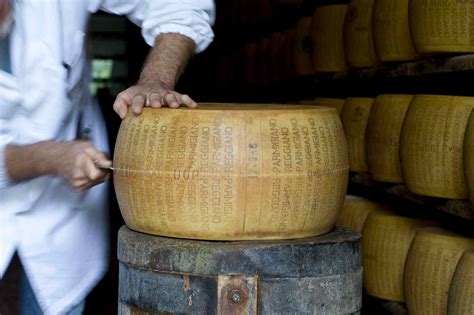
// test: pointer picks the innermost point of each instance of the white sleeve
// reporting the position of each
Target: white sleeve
(192, 18)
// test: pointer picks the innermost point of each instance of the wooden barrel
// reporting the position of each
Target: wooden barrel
(444, 26)
(355, 211)
(387, 238)
(429, 269)
(355, 116)
(232, 171)
(461, 292)
(469, 156)
(328, 38)
(318, 275)
(392, 35)
(303, 47)
(383, 137)
(432, 145)
(358, 36)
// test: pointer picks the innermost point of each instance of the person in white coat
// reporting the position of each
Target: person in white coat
(53, 208)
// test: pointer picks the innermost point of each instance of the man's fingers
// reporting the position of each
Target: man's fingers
(138, 103)
(121, 104)
(155, 100)
(171, 101)
(186, 100)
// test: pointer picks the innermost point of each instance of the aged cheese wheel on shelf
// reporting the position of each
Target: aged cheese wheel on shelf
(387, 238)
(328, 38)
(469, 156)
(432, 145)
(355, 211)
(358, 36)
(431, 261)
(442, 26)
(232, 171)
(383, 137)
(461, 292)
(392, 35)
(303, 47)
(355, 115)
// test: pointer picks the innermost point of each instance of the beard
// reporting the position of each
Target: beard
(6, 26)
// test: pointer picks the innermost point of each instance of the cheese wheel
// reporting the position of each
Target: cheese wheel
(387, 238)
(432, 145)
(383, 137)
(328, 38)
(231, 172)
(469, 156)
(358, 36)
(303, 47)
(355, 211)
(392, 35)
(355, 116)
(442, 25)
(461, 292)
(336, 103)
(429, 269)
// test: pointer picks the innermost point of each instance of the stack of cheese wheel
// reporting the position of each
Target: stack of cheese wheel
(328, 38)
(392, 35)
(358, 36)
(429, 269)
(232, 172)
(387, 238)
(303, 47)
(355, 116)
(432, 145)
(355, 212)
(383, 137)
(469, 156)
(442, 26)
(461, 293)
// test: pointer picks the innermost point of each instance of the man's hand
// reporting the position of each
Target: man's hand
(75, 161)
(163, 67)
(139, 96)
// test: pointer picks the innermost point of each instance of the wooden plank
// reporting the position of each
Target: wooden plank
(459, 208)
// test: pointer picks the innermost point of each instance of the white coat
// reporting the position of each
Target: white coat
(60, 235)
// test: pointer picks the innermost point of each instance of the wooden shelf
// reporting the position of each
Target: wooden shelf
(436, 65)
(459, 208)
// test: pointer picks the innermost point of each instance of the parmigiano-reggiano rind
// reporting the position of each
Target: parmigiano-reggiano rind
(432, 145)
(429, 269)
(383, 137)
(355, 116)
(232, 172)
(387, 238)
(336, 103)
(392, 35)
(461, 292)
(442, 26)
